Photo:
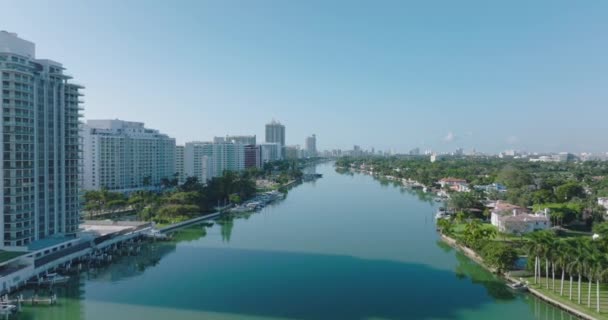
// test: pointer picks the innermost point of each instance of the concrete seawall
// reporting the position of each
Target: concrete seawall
(475, 257)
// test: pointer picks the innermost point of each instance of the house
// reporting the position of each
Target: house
(603, 202)
(491, 187)
(512, 219)
(454, 184)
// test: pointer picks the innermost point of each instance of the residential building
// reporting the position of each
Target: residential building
(39, 179)
(270, 152)
(206, 160)
(454, 184)
(292, 152)
(246, 140)
(125, 156)
(253, 156)
(603, 202)
(310, 146)
(275, 133)
(512, 219)
(494, 187)
(179, 164)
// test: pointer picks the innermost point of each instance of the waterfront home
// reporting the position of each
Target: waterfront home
(454, 184)
(603, 202)
(491, 187)
(512, 219)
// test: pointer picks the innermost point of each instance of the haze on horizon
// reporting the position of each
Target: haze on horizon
(527, 75)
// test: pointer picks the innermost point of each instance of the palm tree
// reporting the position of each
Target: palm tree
(549, 251)
(535, 248)
(578, 262)
(561, 259)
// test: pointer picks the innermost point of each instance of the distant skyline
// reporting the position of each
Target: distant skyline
(524, 75)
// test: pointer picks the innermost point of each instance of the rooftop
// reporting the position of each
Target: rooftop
(47, 242)
(104, 227)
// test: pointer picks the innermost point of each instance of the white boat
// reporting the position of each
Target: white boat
(157, 235)
(518, 286)
(53, 278)
(7, 309)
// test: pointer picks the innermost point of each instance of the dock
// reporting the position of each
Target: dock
(189, 222)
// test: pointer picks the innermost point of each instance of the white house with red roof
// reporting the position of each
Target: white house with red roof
(509, 218)
(454, 184)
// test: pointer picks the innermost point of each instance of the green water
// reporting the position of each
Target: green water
(343, 247)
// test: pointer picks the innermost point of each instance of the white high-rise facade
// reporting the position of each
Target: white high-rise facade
(125, 156)
(206, 160)
(271, 152)
(40, 159)
(310, 147)
(179, 164)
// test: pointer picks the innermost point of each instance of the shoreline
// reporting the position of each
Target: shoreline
(475, 257)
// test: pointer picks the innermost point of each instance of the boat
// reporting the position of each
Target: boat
(157, 235)
(7, 309)
(53, 278)
(518, 286)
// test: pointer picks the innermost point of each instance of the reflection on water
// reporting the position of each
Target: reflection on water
(341, 248)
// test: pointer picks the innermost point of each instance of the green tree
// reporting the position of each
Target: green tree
(569, 191)
(513, 177)
(499, 255)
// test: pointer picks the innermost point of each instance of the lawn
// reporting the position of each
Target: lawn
(573, 304)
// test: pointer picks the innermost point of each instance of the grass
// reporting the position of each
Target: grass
(554, 294)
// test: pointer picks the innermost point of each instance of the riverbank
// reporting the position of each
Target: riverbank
(536, 292)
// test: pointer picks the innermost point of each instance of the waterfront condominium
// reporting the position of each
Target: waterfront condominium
(40, 158)
(206, 160)
(124, 156)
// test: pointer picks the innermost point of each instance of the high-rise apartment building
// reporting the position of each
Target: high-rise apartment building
(310, 146)
(179, 164)
(206, 160)
(253, 156)
(40, 159)
(246, 140)
(275, 133)
(125, 156)
(270, 152)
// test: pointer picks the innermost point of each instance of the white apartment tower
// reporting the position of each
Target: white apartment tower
(206, 160)
(310, 147)
(124, 156)
(40, 158)
(179, 164)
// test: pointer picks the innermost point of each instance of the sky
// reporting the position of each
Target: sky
(441, 75)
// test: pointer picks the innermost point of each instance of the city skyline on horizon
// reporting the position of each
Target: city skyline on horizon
(386, 84)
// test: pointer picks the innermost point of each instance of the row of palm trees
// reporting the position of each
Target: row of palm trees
(575, 258)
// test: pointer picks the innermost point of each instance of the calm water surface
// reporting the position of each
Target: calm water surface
(344, 247)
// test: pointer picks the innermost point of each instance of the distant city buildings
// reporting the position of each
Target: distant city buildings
(125, 156)
(40, 162)
(246, 140)
(275, 133)
(310, 147)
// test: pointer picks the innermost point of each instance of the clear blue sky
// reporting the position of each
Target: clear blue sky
(493, 75)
